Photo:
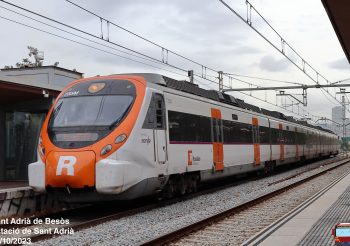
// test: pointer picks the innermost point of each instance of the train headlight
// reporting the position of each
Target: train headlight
(96, 87)
(120, 138)
(106, 149)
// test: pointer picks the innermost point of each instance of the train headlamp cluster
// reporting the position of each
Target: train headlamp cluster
(120, 138)
(96, 87)
(106, 149)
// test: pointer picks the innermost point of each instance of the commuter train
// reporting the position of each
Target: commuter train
(127, 136)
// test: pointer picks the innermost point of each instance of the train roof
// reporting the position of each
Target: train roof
(185, 86)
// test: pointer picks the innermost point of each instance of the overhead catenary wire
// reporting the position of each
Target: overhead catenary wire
(267, 79)
(137, 35)
(87, 45)
(250, 7)
(84, 32)
(123, 47)
(79, 36)
(147, 40)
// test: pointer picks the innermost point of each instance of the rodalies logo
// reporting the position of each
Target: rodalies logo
(66, 162)
(146, 140)
(71, 93)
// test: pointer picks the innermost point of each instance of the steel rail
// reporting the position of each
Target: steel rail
(139, 208)
(186, 230)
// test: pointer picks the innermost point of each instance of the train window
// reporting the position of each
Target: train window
(286, 137)
(234, 117)
(160, 111)
(230, 130)
(264, 135)
(301, 138)
(226, 129)
(291, 137)
(101, 110)
(237, 132)
(274, 136)
(256, 136)
(155, 117)
(149, 122)
(184, 127)
(216, 130)
(246, 133)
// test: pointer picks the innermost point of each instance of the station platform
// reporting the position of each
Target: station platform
(17, 199)
(311, 223)
(12, 184)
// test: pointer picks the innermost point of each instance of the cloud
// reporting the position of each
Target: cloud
(271, 64)
(340, 64)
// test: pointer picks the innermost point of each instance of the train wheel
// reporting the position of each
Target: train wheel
(194, 182)
(269, 168)
(170, 189)
(266, 169)
(181, 185)
(194, 186)
(273, 167)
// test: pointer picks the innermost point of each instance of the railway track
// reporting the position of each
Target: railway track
(80, 219)
(227, 224)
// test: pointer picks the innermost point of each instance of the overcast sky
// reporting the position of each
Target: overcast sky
(202, 30)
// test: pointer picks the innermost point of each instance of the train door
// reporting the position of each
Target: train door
(217, 138)
(270, 139)
(296, 141)
(320, 145)
(160, 130)
(256, 140)
(281, 141)
(303, 141)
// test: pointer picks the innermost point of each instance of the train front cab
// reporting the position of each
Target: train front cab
(90, 120)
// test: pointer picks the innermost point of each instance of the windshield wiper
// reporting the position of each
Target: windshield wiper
(57, 110)
(114, 123)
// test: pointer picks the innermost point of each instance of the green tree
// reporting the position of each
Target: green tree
(35, 59)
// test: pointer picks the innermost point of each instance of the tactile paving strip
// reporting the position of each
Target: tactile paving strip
(321, 233)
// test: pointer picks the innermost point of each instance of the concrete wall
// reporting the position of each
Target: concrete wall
(46, 77)
(24, 202)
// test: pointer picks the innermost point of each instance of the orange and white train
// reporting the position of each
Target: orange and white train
(128, 136)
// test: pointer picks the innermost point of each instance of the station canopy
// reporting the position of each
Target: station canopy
(14, 92)
(339, 14)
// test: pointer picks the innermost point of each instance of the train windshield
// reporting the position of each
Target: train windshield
(342, 232)
(102, 110)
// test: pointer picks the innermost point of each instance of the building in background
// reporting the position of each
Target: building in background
(26, 95)
(337, 124)
(337, 115)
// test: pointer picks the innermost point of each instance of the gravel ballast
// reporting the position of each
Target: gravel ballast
(139, 228)
(236, 229)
